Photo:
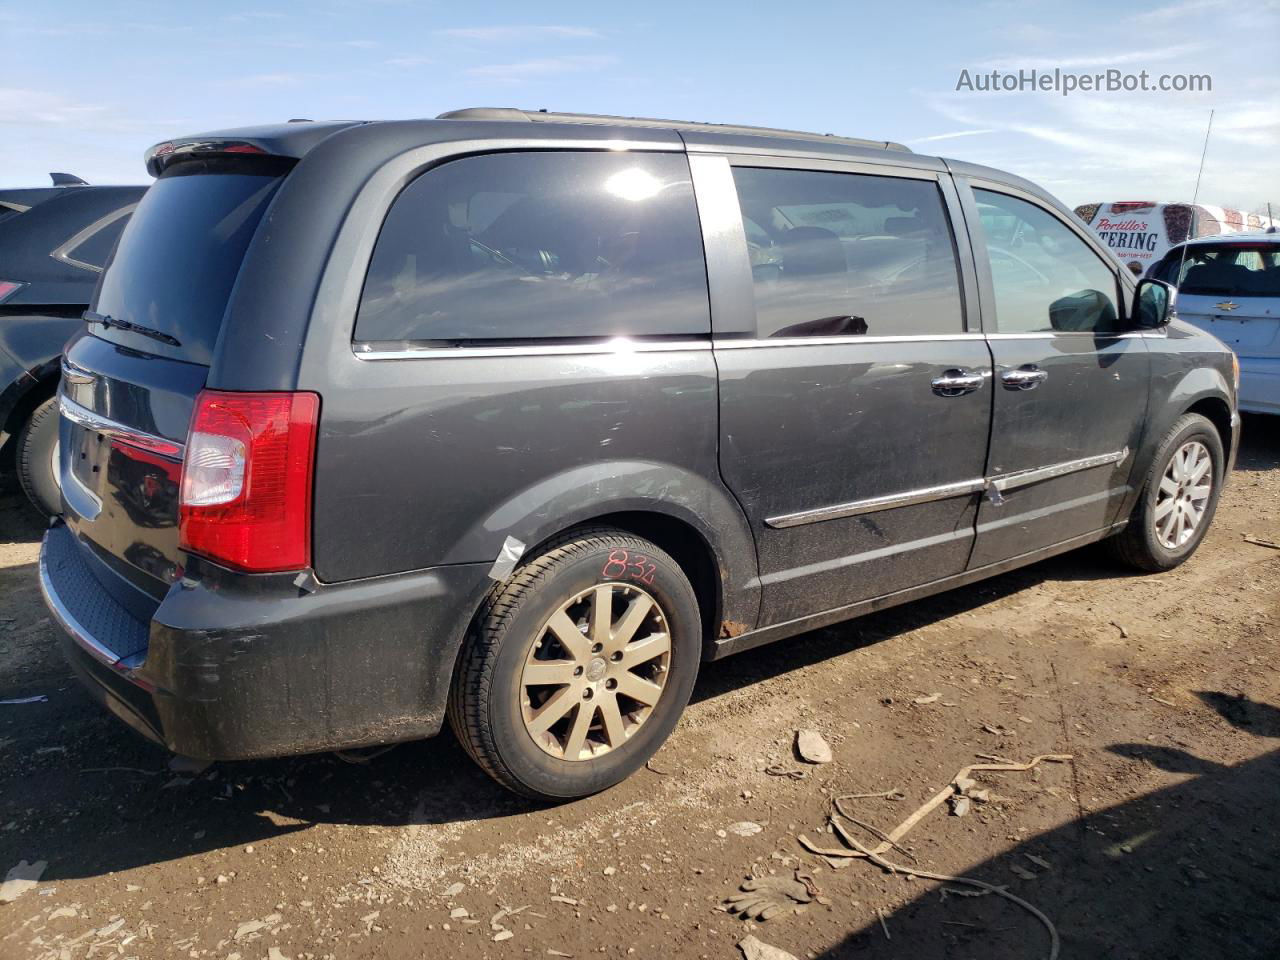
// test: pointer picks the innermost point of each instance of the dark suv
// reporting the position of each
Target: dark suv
(53, 244)
(517, 418)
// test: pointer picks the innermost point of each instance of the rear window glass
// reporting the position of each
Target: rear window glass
(178, 258)
(1234, 270)
(534, 246)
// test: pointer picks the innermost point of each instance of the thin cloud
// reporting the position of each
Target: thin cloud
(360, 44)
(253, 15)
(502, 34)
(953, 135)
(536, 69)
(406, 62)
(1117, 59)
(1177, 11)
(18, 106)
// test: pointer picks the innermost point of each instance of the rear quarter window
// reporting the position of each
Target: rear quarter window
(91, 248)
(517, 247)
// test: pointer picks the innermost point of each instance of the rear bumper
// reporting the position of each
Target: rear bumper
(238, 666)
(1260, 384)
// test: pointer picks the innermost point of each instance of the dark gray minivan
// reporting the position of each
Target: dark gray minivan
(518, 417)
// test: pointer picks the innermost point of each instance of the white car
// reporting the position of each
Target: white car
(1230, 286)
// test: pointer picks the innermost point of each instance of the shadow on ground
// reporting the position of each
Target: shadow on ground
(98, 798)
(1188, 871)
(1259, 443)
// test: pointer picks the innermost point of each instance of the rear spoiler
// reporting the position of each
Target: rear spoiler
(288, 141)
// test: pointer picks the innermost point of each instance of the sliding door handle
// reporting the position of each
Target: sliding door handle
(957, 382)
(1026, 377)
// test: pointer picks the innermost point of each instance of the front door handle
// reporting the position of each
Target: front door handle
(1026, 377)
(956, 382)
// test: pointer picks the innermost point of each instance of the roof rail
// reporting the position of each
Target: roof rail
(511, 113)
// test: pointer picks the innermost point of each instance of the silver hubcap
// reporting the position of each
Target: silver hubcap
(595, 672)
(1184, 494)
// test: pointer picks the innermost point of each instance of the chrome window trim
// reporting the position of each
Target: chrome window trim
(63, 252)
(1023, 478)
(1001, 483)
(876, 504)
(890, 166)
(617, 346)
(1053, 334)
(751, 343)
(90, 420)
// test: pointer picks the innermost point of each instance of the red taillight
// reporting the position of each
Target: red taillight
(246, 480)
(8, 288)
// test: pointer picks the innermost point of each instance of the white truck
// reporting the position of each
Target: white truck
(1142, 231)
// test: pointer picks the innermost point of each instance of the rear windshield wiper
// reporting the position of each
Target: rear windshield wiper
(109, 321)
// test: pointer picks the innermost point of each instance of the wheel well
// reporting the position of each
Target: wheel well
(44, 388)
(688, 548)
(1218, 413)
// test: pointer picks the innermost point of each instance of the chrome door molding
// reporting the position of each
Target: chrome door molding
(875, 504)
(999, 484)
(1024, 478)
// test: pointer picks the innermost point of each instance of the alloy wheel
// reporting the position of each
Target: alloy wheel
(1183, 497)
(595, 672)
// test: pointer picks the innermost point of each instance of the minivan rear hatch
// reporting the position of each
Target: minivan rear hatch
(131, 380)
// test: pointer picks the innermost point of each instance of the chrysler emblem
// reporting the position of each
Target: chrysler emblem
(1227, 305)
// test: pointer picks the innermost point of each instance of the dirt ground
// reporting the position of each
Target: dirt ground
(1159, 839)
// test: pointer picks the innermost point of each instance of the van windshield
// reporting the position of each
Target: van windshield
(1224, 269)
(166, 288)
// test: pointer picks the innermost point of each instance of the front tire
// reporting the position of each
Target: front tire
(579, 666)
(37, 463)
(1178, 500)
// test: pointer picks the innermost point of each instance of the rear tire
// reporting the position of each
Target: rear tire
(649, 646)
(1153, 541)
(36, 455)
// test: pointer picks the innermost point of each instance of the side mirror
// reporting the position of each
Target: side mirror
(1154, 303)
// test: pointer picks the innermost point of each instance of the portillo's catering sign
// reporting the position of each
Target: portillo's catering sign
(1140, 232)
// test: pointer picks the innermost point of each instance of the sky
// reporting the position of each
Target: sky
(86, 87)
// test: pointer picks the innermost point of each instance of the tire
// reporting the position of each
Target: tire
(37, 447)
(1141, 544)
(494, 709)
